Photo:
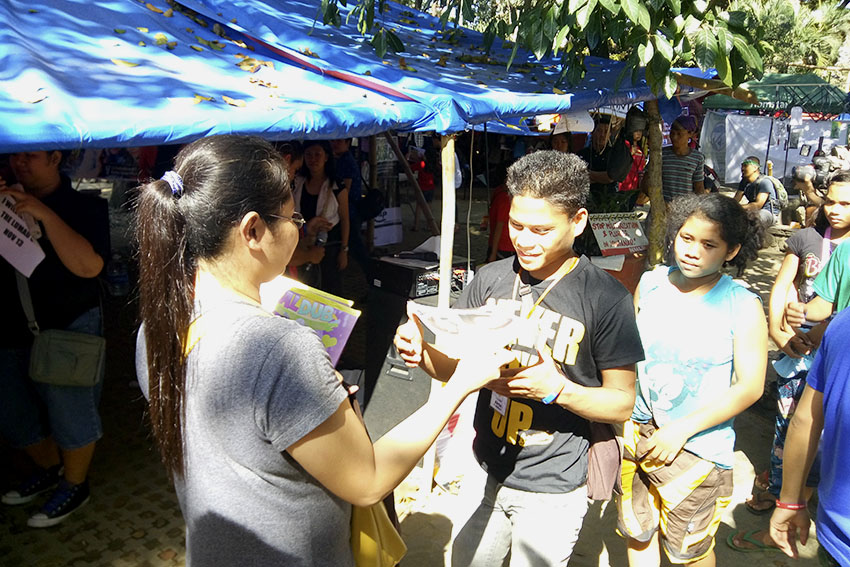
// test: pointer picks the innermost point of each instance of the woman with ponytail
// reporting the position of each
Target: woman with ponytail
(253, 424)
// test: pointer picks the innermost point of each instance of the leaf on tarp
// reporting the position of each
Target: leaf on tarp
(31, 11)
(142, 44)
(200, 98)
(262, 83)
(152, 8)
(160, 38)
(171, 45)
(119, 30)
(234, 101)
(122, 63)
(168, 13)
(233, 21)
(190, 30)
(143, 30)
(443, 60)
(197, 47)
(251, 65)
(556, 90)
(308, 52)
(367, 72)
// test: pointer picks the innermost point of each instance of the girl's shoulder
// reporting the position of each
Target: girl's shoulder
(734, 291)
(652, 280)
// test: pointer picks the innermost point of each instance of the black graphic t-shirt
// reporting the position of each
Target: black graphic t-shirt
(589, 324)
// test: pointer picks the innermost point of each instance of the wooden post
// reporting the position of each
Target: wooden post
(420, 197)
(447, 234)
(653, 174)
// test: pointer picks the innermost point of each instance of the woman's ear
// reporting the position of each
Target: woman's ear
(251, 230)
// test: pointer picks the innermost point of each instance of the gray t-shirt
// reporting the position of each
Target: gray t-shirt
(255, 385)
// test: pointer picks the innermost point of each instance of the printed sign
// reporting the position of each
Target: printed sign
(618, 233)
(16, 243)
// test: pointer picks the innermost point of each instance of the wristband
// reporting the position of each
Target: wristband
(554, 395)
(787, 506)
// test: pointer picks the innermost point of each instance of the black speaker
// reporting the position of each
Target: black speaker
(391, 390)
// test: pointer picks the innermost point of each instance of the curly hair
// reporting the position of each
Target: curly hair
(560, 178)
(736, 224)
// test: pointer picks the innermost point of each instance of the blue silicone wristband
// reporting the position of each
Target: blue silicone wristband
(554, 395)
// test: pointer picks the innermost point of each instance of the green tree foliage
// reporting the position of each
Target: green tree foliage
(794, 32)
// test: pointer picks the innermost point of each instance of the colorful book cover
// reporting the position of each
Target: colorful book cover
(332, 317)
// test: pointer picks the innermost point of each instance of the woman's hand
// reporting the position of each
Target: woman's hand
(478, 369)
(27, 204)
(342, 260)
(316, 225)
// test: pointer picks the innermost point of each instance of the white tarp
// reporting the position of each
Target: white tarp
(736, 136)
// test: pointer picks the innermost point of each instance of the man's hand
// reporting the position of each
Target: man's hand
(408, 340)
(342, 260)
(783, 529)
(665, 444)
(533, 382)
(795, 313)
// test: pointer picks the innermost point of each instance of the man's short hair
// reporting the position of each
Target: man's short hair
(560, 178)
(755, 161)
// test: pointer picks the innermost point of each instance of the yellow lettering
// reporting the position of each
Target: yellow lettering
(519, 417)
(570, 334)
(498, 424)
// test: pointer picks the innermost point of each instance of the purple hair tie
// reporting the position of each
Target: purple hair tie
(174, 181)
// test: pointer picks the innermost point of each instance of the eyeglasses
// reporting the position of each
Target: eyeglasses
(296, 218)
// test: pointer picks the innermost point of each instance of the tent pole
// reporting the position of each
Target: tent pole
(447, 235)
(769, 138)
(417, 190)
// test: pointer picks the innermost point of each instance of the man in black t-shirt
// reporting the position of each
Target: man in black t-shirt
(57, 426)
(533, 424)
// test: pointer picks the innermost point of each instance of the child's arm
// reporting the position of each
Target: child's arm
(750, 364)
(801, 446)
(817, 309)
(782, 288)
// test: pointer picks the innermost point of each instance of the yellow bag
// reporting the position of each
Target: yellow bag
(374, 539)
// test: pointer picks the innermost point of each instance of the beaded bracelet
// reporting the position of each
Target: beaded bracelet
(787, 506)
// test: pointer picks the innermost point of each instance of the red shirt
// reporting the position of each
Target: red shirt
(632, 180)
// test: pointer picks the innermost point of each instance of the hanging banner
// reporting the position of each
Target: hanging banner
(16, 243)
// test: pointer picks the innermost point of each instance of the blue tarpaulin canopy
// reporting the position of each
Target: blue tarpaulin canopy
(447, 69)
(109, 73)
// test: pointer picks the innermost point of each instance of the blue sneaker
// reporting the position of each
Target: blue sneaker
(38, 483)
(66, 499)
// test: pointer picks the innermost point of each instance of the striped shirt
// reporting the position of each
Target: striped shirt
(679, 173)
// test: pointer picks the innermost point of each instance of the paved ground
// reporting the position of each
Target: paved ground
(133, 518)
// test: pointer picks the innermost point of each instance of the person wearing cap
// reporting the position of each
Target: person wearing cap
(56, 426)
(759, 191)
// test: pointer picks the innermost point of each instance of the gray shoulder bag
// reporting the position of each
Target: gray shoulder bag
(61, 358)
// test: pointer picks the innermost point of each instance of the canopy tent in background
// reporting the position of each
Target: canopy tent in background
(77, 73)
(727, 139)
(781, 92)
(447, 69)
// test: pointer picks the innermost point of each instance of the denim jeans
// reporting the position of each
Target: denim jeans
(31, 412)
(533, 528)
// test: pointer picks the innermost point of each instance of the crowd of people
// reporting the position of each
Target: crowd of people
(262, 438)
